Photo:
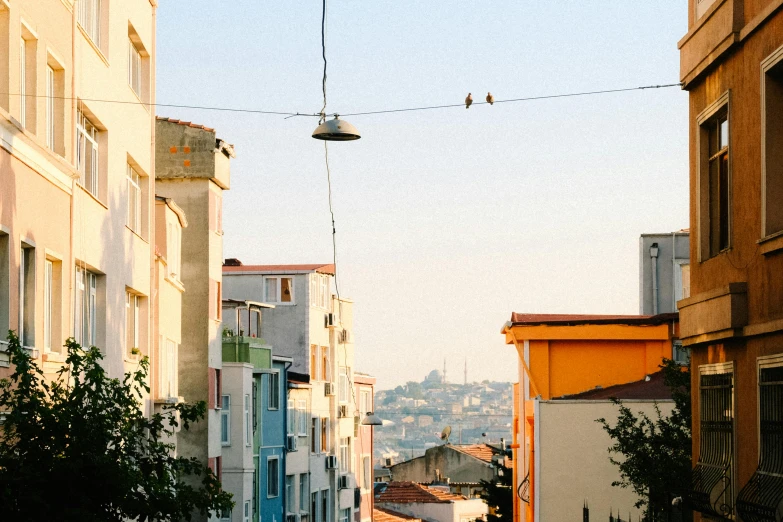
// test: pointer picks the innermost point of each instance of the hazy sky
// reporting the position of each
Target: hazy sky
(447, 220)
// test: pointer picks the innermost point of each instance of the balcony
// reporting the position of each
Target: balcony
(714, 315)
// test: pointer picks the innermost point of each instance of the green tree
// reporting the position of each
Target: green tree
(414, 390)
(499, 495)
(80, 448)
(656, 452)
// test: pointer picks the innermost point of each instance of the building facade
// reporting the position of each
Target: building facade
(731, 64)
(664, 271)
(364, 392)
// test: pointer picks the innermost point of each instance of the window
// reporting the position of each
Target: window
(314, 506)
(52, 305)
(326, 375)
(87, 152)
(85, 307)
(290, 494)
(134, 68)
(248, 426)
(680, 354)
(272, 477)
(28, 68)
(314, 435)
(345, 515)
(218, 388)
(279, 290)
(345, 454)
(319, 291)
(89, 18)
(365, 402)
(366, 482)
(5, 278)
(27, 295)
(302, 422)
(132, 304)
(274, 391)
(225, 515)
(55, 104)
(763, 492)
(225, 420)
(291, 416)
(715, 191)
(344, 382)
(772, 143)
(325, 435)
(134, 200)
(325, 505)
(303, 492)
(167, 387)
(246, 512)
(173, 249)
(712, 479)
(51, 119)
(314, 373)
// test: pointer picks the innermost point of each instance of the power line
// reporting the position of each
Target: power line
(292, 114)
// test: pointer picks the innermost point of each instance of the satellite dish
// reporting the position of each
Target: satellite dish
(444, 435)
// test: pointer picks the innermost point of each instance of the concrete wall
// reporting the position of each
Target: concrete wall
(673, 254)
(452, 464)
(574, 461)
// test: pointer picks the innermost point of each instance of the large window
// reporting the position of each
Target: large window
(715, 175)
(85, 310)
(344, 383)
(132, 337)
(52, 305)
(712, 478)
(302, 421)
(365, 402)
(345, 515)
(319, 291)
(345, 454)
(134, 199)
(274, 391)
(304, 491)
(279, 290)
(314, 448)
(87, 152)
(325, 505)
(272, 477)
(134, 68)
(291, 417)
(225, 420)
(772, 144)
(314, 506)
(290, 494)
(89, 18)
(28, 69)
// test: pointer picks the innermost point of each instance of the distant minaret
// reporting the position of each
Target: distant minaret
(466, 371)
(444, 370)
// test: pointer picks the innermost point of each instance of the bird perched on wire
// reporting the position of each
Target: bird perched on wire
(490, 98)
(468, 101)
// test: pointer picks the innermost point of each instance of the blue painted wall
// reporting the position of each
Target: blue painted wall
(271, 441)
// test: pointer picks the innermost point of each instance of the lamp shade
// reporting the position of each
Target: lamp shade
(372, 420)
(336, 130)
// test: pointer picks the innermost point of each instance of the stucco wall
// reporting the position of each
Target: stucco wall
(452, 464)
(574, 461)
(440, 512)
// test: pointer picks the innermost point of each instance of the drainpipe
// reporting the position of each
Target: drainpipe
(654, 257)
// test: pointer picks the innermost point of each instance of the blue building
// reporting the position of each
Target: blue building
(271, 438)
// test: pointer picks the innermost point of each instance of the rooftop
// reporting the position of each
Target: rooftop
(480, 451)
(411, 492)
(185, 123)
(387, 515)
(235, 265)
(579, 319)
(649, 388)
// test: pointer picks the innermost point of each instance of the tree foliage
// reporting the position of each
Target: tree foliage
(498, 494)
(654, 454)
(80, 448)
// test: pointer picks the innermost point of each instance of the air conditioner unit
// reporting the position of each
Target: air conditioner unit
(331, 462)
(342, 411)
(292, 443)
(343, 482)
(329, 388)
(330, 320)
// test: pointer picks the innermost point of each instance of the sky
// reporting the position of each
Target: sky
(447, 220)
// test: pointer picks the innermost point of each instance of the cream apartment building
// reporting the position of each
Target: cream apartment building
(76, 197)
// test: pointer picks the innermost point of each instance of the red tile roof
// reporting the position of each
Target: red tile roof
(574, 319)
(479, 451)
(387, 515)
(654, 389)
(281, 269)
(410, 492)
(185, 123)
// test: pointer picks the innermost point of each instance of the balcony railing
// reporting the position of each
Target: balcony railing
(761, 499)
(711, 480)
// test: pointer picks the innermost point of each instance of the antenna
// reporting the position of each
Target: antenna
(444, 435)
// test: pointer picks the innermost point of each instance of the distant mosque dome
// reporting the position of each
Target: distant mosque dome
(434, 376)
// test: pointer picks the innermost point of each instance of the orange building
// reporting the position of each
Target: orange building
(561, 356)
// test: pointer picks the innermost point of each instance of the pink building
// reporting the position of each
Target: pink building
(364, 387)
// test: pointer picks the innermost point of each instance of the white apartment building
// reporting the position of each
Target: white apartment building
(76, 198)
(313, 327)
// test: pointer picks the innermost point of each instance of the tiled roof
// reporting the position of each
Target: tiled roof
(185, 123)
(410, 492)
(281, 269)
(479, 451)
(387, 515)
(644, 389)
(573, 319)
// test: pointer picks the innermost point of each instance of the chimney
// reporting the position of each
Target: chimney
(232, 261)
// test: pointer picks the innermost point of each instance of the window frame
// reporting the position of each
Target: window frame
(132, 304)
(273, 390)
(135, 194)
(345, 454)
(51, 109)
(277, 279)
(772, 64)
(302, 421)
(135, 68)
(27, 294)
(705, 121)
(344, 384)
(86, 300)
(290, 494)
(89, 17)
(304, 491)
(87, 134)
(270, 476)
(315, 431)
(225, 417)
